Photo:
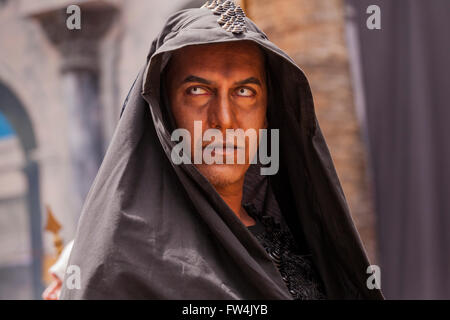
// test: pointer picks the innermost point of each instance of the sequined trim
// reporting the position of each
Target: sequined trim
(296, 270)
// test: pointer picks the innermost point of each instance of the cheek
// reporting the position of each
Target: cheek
(254, 118)
(185, 116)
(182, 112)
(186, 109)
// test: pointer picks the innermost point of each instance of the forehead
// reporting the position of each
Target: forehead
(223, 58)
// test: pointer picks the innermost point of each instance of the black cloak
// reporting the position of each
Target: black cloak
(150, 229)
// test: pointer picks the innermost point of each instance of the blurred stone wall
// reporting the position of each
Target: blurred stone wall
(30, 66)
(313, 34)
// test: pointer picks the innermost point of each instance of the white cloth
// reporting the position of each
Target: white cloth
(59, 268)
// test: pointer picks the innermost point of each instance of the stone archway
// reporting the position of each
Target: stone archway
(14, 111)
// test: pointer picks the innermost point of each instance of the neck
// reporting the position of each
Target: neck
(232, 195)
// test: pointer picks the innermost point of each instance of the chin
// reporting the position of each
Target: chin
(222, 175)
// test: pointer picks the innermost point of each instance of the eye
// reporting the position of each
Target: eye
(196, 91)
(245, 92)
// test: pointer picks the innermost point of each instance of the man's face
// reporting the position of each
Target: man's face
(223, 86)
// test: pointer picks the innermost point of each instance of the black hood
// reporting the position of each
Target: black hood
(150, 229)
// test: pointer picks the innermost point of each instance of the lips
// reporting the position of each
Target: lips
(222, 148)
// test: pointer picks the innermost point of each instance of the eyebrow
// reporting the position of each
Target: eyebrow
(192, 78)
(249, 80)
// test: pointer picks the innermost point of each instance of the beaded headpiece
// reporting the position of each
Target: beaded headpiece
(232, 16)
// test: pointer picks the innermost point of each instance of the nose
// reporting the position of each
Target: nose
(220, 113)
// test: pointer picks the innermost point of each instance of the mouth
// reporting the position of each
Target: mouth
(222, 148)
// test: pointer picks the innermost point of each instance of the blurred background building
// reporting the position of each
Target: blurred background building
(380, 97)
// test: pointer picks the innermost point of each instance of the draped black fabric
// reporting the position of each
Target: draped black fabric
(406, 69)
(151, 229)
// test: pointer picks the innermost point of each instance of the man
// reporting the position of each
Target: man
(163, 221)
